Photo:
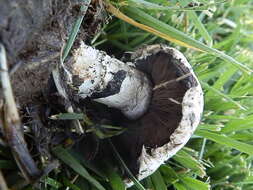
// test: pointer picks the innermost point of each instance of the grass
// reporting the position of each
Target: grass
(218, 43)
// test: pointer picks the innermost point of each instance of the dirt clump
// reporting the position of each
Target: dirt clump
(34, 32)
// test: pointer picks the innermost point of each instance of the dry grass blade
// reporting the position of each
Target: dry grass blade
(77, 125)
(117, 13)
(164, 84)
(12, 126)
(3, 185)
(151, 24)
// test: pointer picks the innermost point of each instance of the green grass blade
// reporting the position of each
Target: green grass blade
(69, 184)
(198, 24)
(136, 182)
(115, 180)
(223, 117)
(242, 136)
(238, 125)
(82, 183)
(154, 6)
(188, 161)
(223, 79)
(158, 181)
(210, 127)
(68, 159)
(52, 182)
(169, 175)
(148, 183)
(227, 141)
(68, 116)
(179, 186)
(202, 30)
(217, 92)
(179, 37)
(75, 29)
(195, 184)
(99, 172)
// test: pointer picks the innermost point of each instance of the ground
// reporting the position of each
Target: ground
(33, 33)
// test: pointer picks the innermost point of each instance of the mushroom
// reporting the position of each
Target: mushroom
(94, 74)
(158, 92)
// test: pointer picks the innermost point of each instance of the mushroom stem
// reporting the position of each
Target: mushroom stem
(109, 81)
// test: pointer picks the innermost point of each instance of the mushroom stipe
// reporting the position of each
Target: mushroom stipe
(158, 93)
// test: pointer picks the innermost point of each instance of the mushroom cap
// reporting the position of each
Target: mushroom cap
(173, 114)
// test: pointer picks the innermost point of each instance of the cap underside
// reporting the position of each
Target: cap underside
(164, 114)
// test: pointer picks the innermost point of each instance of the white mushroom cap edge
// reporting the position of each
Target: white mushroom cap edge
(192, 108)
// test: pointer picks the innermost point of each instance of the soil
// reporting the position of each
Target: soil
(33, 33)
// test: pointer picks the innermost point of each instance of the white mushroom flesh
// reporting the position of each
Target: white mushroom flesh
(98, 71)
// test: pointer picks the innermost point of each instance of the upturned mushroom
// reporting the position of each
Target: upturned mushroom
(158, 92)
